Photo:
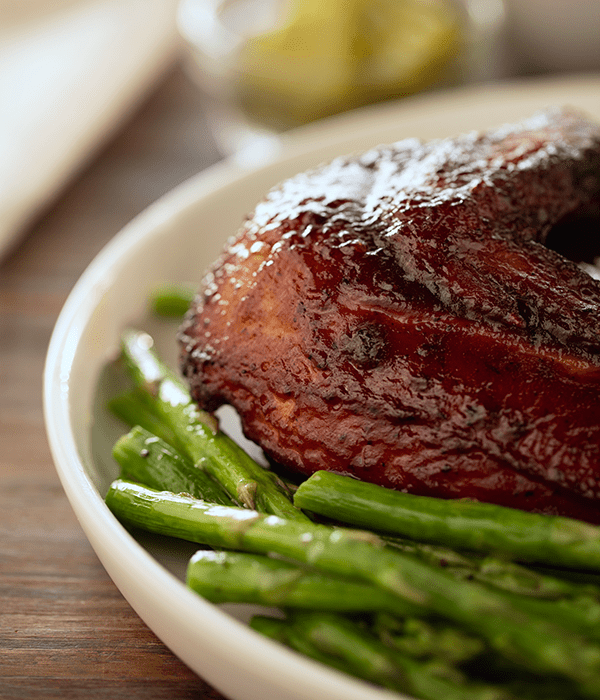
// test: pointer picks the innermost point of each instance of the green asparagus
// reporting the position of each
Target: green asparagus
(172, 300)
(133, 409)
(427, 639)
(281, 631)
(456, 523)
(347, 645)
(507, 681)
(503, 574)
(527, 639)
(241, 577)
(149, 460)
(199, 437)
(363, 655)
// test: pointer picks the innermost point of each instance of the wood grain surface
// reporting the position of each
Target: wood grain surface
(65, 630)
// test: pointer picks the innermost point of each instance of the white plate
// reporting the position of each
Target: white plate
(176, 239)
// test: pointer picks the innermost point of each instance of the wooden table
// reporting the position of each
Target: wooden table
(65, 630)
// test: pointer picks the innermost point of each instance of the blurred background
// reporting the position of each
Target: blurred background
(105, 105)
(282, 63)
(72, 71)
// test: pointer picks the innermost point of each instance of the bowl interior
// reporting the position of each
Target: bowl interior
(174, 241)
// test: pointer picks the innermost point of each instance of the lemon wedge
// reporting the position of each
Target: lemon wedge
(327, 56)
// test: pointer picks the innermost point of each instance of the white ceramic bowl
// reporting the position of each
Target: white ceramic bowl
(174, 240)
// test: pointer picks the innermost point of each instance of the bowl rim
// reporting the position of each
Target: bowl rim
(259, 656)
(228, 633)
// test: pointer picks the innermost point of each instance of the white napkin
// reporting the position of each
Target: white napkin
(70, 70)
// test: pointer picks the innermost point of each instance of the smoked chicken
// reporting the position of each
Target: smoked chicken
(409, 316)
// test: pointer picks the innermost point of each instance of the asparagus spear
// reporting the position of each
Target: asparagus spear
(280, 630)
(518, 634)
(345, 644)
(572, 604)
(362, 654)
(504, 574)
(272, 627)
(427, 639)
(523, 580)
(425, 676)
(582, 615)
(198, 435)
(149, 460)
(456, 523)
(241, 577)
(131, 408)
(172, 300)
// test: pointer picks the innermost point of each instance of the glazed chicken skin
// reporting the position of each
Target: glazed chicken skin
(397, 316)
